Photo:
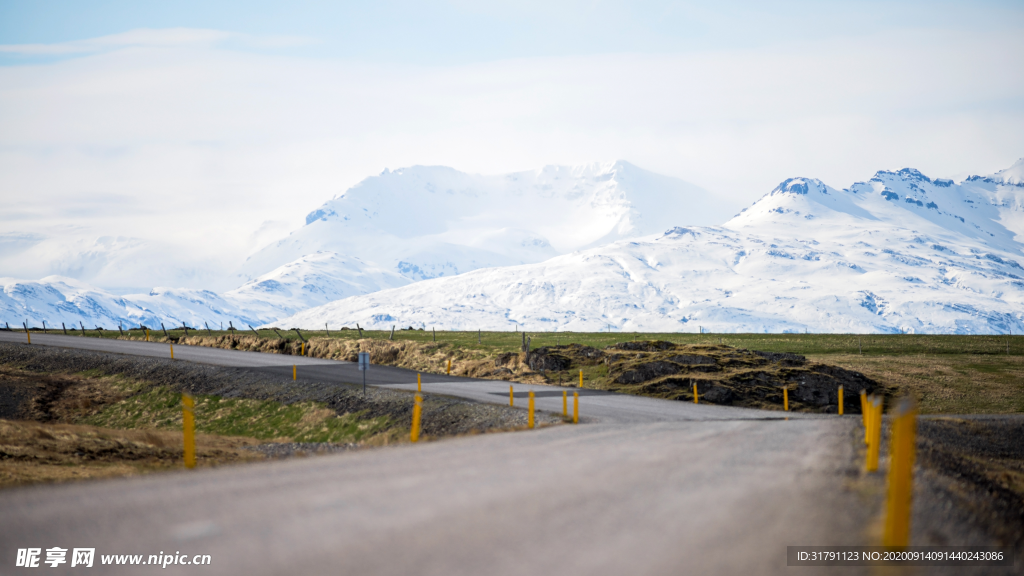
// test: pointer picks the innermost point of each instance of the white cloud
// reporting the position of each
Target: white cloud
(166, 38)
(172, 136)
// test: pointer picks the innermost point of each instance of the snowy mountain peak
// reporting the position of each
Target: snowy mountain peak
(1013, 175)
(430, 221)
(801, 186)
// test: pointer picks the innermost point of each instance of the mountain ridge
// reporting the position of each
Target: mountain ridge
(898, 252)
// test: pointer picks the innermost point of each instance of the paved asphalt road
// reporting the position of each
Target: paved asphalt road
(643, 486)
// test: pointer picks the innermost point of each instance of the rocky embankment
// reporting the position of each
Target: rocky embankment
(722, 374)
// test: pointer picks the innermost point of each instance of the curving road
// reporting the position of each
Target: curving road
(642, 486)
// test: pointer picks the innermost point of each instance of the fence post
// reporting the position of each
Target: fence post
(417, 409)
(529, 417)
(901, 476)
(188, 428)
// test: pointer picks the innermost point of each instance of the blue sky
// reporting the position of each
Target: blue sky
(232, 120)
(460, 32)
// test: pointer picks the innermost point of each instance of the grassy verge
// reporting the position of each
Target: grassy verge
(160, 408)
(945, 383)
(82, 425)
(32, 452)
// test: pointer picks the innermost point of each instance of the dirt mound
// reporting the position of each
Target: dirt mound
(722, 374)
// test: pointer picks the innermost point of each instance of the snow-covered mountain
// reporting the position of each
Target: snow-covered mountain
(309, 281)
(431, 221)
(898, 252)
(388, 231)
(56, 299)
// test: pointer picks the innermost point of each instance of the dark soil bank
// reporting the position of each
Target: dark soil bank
(722, 374)
(975, 465)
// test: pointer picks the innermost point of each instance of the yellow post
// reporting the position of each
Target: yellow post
(864, 413)
(565, 403)
(417, 409)
(147, 334)
(295, 372)
(695, 393)
(29, 336)
(581, 378)
(874, 433)
(901, 476)
(785, 399)
(529, 414)
(449, 366)
(172, 351)
(840, 400)
(189, 428)
(575, 407)
(302, 349)
(510, 401)
(419, 383)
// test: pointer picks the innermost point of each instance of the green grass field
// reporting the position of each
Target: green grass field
(806, 344)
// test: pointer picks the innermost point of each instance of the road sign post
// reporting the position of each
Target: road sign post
(364, 365)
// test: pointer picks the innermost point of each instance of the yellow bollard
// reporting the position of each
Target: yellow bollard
(295, 372)
(449, 367)
(419, 383)
(840, 400)
(189, 429)
(29, 336)
(901, 476)
(575, 407)
(864, 413)
(529, 415)
(785, 399)
(510, 401)
(172, 351)
(565, 403)
(695, 393)
(417, 409)
(147, 334)
(581, 378)
(302, 349)
(874, 433)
